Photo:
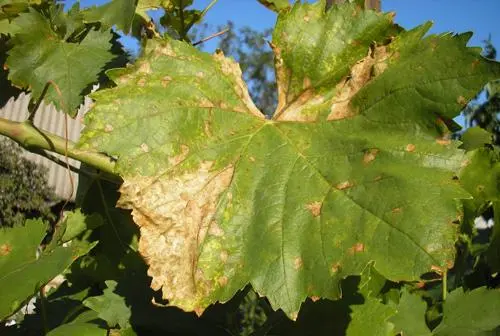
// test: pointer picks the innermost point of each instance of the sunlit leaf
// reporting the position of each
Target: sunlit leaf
(41, 55)
(355, 167)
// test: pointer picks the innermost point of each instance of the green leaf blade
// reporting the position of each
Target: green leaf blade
(19, 264)
(291, 205)
(40, 57)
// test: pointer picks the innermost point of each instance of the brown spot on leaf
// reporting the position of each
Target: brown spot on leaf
(108, 128)
(215, 229)
(5, 249)
(306, 18)
(443, 142)
(335, 268)
(370, 155)
(165, 50)
(145, 67)
(165, 80)
(251, 158)
(298, 263)
(145, 148)
(356, 248)
(462, 101)
(315, 298)
(175, 160)
(314, 208)
(475, 63)
(344, 185)
(410, 148)
(396, 210)
(141, 82)
(200, 74)
(173, 228)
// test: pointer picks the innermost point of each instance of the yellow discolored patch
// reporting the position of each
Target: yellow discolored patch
(175, 160)
(233, 72)
(306, 18)
(251, 158)
(314, 208)
(315, 298)
(396, 210)
(165, 50)
(224, 255)
(141, 82)
(335, 268)
(145, 67)
(5, 249)
(344, 185)
(294, 316)
(437, 269)
(356, 248)
(173, 228)
(223, 280)
(200, 74)
(108, 128)
(145, 148)
(370, 155)
(207, 128)
(410, 148)
(361, 73)
(306, 83)
(298, 263)
(165, 81)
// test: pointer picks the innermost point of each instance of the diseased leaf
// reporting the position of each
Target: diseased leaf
(371, 317)
(470, 313)
(276, 5)
(410, 317)
(110, 306)
(19, 264)
(355, 167)
(40, 55)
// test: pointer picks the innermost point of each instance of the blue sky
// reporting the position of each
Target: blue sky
(482, 17)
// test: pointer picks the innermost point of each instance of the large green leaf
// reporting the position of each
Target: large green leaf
(470, 313)
(21, 272)
(87, 329)
(355, 166)
(41, 54)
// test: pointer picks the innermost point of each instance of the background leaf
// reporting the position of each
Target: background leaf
(19, 264)
(470, 313)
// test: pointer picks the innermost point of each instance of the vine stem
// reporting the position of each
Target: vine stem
(34, 139)
(43, 309)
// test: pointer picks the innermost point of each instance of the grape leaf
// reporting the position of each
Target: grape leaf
(110, 306)
(276, 5)
(410, 317)
(355, 166)
(470, 313)
(78, 328)
(41, 54)
(19, 264)
(372, 315)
